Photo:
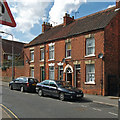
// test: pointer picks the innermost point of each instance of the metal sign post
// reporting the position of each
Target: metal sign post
(119, 109)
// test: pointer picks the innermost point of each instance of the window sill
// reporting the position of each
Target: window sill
(51, 59)
(31, 61)
(92, 55)
(90, 83)
(68, 57)
(41, 60)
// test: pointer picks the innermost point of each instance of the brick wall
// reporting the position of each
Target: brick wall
(112, 51)
(7, 74)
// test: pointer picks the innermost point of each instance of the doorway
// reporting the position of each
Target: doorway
(69, 75)
(77, 76)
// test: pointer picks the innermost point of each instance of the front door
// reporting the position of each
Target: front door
(69, 76)
(112, 85)
(42, 74)
(78, 79)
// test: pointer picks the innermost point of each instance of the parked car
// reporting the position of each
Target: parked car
(24, 84)
(60, 89)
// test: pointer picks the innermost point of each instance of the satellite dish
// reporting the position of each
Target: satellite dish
(100, 55)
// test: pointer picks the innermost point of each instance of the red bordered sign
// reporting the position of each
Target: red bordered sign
(6, 17)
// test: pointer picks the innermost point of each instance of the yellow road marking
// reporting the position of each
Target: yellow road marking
(10, 111)
(6, 113)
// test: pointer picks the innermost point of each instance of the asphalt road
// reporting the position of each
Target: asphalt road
(30, 105)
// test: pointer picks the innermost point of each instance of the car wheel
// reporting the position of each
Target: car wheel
(40, 93)
(22, 89)
(11, 87)
(62, 96)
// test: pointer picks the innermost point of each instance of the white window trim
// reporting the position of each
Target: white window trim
(68, 57)
(91, 82)
(51, 59)
(51, 64)
(91, 55)
(51, 44)
(60, 64)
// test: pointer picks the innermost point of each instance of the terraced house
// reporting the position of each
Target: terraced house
(85, 52)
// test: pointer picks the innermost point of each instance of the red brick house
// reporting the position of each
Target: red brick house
(6, 59)
(83, 51)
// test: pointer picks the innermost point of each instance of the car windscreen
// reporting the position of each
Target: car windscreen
(32, 80)
(63, 84)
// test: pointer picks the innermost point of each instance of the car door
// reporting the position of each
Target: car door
(53, 89)
(45, 87)
(15, 84)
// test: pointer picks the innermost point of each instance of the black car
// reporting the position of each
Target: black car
(24, 84)
(60, 89)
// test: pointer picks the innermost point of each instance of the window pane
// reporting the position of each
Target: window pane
(42, 54)
(32, 55)
(51, 72)
(68, 49)
(32, 72)
(90, 46)
(90, 73)
(51, 52)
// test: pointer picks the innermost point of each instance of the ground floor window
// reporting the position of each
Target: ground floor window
(60, 73)
(32, 72)
(51, 72)
(90, 73)
(42, 74)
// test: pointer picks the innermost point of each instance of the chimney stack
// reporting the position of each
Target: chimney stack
(46, 26)
(68, 19)
(117, 3)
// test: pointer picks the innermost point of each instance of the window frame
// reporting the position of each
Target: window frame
(42, 56)
(32, 68)
(87, 80)
(31, 53)
(66, 50)
(53, 73)
(51, 52)
(90, 47)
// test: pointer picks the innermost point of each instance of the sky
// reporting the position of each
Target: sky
(30, 14)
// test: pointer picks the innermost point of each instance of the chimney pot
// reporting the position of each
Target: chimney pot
(46, 26)
(68, 19)
(65, 14)
(117, 3)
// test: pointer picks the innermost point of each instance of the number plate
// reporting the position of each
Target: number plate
(34, 84)
(78, 95)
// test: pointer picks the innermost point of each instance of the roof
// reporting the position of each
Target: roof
(7, 46)
(85, 24)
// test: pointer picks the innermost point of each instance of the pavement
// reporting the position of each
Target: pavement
(108, 100)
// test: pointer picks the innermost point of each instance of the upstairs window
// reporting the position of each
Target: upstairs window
(51, 52)
(42, 54)
(32, 55)
(68, 50)
(90, 46)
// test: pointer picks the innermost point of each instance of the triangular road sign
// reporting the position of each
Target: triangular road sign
(6, 17)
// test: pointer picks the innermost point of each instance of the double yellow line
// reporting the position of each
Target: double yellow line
(5, 108)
